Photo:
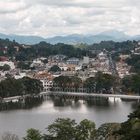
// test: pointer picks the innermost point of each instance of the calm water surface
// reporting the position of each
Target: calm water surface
(18, 121)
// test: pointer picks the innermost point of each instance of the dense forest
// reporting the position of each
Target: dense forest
(125, 46)
(43, 49)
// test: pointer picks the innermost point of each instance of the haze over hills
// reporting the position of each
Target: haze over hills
(73, 38)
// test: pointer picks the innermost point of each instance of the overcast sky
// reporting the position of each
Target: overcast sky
(62, 17)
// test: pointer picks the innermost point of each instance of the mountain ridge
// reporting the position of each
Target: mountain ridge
(113, 35)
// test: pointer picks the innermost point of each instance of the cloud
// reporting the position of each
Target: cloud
(53, 17)
(12, 6)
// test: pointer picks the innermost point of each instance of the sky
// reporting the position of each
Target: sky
(62, 17)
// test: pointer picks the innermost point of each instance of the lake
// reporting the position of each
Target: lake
(18, 121)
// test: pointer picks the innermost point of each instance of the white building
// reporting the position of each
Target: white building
(36, 62)
(86, 60)
(20, 75)
(102, 56)
(46, 79)
(74, 61)
(47, 84)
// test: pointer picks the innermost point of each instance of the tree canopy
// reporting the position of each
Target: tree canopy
(12, 87)
(130, 130)
(33, 134)
(132, 83)
(5, 67)
(67, 82)
(54, 68)
(66, 129)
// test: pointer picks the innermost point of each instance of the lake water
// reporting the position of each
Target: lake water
(18, 121)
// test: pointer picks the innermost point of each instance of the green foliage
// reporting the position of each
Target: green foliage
(5, 67)
(85, 130)
(123, 47)
(132, 83)
(66, 129)
(33, 134)
(12, 87)
(99, 83)
(32, 86)
(130, 130)
(134, 61)
(62, 129)
(23, 65)
(45, 61)
(44, 49)
(90, 83)
(106, 131)
(9, 46)
(62, 81)
(104, 81)
(54, 68)
(76, 81)
(67, 82)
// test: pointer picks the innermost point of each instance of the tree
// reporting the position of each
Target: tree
(33, 134)
(5, 67)
(103, 82)
(134, 61)
(24, 65)
(90, 83)
(18, 87)
(66, 129)
(45, 61)
(32, 86)
(130, 130)
(76, 82)
(68, 82)
(54, 68)
(14, 87)
(132, 83)
(62, 129)
(62, 81)
(127, 84)
(85, 130)
(136, 83)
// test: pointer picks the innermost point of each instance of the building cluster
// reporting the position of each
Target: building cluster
(101, 63)
(122, 67)
(83, 68)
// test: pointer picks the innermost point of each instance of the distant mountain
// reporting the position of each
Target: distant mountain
(115, 34)
(23, 39)
(70, 39)
(90, 39)
(74, 38)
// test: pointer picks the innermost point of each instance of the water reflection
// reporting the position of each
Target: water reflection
(61, 102)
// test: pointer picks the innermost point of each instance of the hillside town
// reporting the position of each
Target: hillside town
(46, 69)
